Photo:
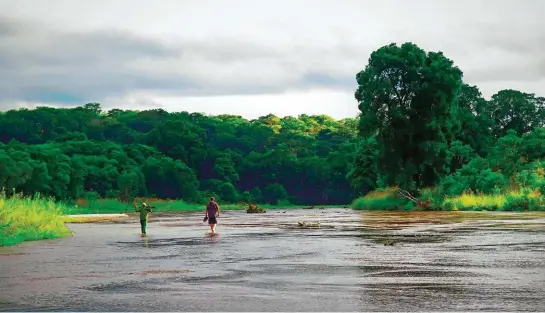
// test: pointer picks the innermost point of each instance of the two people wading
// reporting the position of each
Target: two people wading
(210, 214)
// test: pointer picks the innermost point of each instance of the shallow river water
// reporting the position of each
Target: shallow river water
(388, 261)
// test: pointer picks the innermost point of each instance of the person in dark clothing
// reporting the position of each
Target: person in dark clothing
(212, 211)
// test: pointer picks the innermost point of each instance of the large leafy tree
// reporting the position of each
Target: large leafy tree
(409, 99)
(514, 110)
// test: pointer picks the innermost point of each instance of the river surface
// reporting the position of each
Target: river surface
(354, 261)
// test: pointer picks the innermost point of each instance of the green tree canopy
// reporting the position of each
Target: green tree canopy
(409, 99)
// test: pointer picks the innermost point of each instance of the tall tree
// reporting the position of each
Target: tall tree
(409, 99)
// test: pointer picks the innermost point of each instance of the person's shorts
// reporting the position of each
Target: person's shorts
(212, 220)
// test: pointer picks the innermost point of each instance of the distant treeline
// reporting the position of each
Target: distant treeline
(84, 152)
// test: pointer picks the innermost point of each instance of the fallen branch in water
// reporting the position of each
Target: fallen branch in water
(407, 195)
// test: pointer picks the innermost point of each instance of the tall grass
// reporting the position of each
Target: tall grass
(521, 200)
(514, 200)
(26, 219)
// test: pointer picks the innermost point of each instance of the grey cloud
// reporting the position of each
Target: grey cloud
(522, 39)
(38, 63)
(495, 54)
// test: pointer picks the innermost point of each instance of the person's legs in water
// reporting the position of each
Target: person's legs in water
(143, 224)
(212, 222)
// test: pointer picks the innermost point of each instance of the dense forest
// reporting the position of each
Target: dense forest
(420, 126)
(85, 152)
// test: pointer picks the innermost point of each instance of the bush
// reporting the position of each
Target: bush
(525, 201)
(532, 176)
(474, 177)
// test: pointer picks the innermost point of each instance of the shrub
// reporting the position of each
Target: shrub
(527, 200)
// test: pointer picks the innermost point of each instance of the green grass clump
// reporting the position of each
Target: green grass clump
(382, 199)
(27, 219)
(520, 200)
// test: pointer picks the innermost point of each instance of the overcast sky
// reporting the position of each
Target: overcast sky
(250, 57)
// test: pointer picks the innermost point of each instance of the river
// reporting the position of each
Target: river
(354, 261)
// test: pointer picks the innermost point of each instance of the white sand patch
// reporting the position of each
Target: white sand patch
(98, 215)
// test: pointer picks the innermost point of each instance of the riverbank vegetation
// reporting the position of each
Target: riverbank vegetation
(388, 199)
(25, 219)
(427, 132)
